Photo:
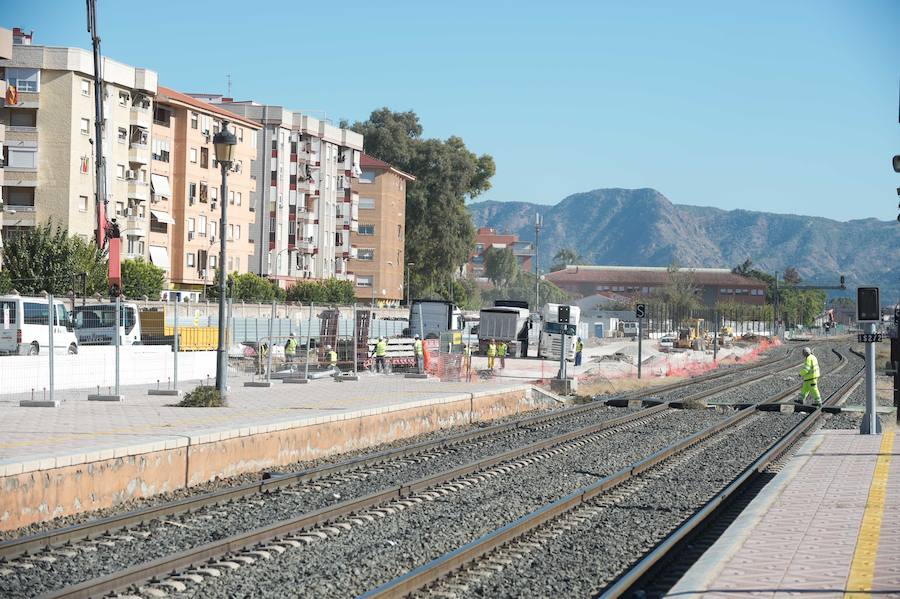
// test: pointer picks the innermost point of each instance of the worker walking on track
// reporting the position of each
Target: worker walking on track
(290, 349)
(420, 355)
(380, 353)
(501, 351)
(491, 353)
(810, 375)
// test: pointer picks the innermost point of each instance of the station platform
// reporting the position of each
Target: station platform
(87, 455)
(827, 525)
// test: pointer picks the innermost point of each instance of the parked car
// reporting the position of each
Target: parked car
(25, 326)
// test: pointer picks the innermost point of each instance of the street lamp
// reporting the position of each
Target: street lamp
(224, 142)
(409, 266)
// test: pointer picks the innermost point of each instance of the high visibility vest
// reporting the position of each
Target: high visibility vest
(501, 351)
(380, 349)
(579, 345)
(466, 351)
(492, 350)
(291, 347)
(418, 346)
(810, 370)
(332, 357)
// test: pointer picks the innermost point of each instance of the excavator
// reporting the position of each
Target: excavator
(690, 337)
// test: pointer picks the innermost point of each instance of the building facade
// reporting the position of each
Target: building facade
(714, 285)
(6, 44)
(487, 238)
(378, 267)
(187, 200)
(305, 170)
(49, 149)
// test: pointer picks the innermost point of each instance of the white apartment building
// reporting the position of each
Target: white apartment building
(49, 148)
(304, 197)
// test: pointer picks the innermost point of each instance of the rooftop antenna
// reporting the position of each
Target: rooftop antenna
(228, 79)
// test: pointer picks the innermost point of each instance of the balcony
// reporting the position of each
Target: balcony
(138, 190)
(26, 100)
(138, 154)
(133, 222)
(141, 116)
(20, 133)
(306, 246)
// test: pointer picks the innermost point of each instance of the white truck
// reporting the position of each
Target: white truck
(552, 331)
(430, 318)
(508, 323)
(25, 326)
(95, 324)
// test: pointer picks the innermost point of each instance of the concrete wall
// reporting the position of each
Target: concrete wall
(58, 488)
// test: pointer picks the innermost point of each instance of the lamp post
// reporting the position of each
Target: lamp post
(409, 266)
(224, 142)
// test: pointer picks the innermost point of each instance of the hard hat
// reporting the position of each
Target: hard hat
(417, 336)
(806, 351)
(327, 347)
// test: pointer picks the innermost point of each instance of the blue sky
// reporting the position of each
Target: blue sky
(777, 106)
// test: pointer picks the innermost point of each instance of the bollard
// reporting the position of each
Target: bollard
(117, 338)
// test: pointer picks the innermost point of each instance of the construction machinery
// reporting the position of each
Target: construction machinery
(691, 336)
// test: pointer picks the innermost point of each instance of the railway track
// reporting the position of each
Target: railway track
(464, 570)
(128, 526)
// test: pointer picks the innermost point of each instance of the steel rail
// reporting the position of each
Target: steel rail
(440, 567)
(637, 573)
(93, 528)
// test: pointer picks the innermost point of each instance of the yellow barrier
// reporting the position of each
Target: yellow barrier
(191, 338)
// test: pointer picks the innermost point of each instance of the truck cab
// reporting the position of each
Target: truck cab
(95, 324)
(431, 318)
(553, 332)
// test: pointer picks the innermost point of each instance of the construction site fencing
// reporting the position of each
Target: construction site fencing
(743, 320)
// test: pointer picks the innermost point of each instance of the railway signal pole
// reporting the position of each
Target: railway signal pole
(868, 313)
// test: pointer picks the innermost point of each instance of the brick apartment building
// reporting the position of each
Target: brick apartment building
(487, 238)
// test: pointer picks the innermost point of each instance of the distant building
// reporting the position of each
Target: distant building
(487, 238)
(6, 45)
(48, 153)
(714, 285)
(378, 257)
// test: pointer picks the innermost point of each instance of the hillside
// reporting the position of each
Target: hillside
(642, 227)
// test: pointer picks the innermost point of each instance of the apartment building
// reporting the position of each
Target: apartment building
(6, 44)
(378, 267)
(487, 238)
(187, 200)
(49, 148)
(305, 170)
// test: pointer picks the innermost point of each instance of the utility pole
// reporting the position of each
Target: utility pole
(538, 225)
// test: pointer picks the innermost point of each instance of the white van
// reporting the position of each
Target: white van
(24, 326)
(95, 323)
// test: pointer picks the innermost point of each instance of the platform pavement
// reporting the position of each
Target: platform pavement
(828, 525)
(86, 431)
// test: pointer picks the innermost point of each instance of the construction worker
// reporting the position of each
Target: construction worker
(332, 357)
(262, 358)
(491, 353)
(290, 349)
(380, 353)
(501, 351)
(810, 375)
(420, 355)
(578, 347)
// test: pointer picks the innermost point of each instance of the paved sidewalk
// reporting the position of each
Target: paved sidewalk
(82, 431)
(827, 526)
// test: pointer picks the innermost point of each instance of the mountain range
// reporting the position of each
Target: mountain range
(641, 227)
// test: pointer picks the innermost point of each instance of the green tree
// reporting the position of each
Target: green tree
(339, 292)
(5, 282)
(306, 292)
(439, 229)
(679, 293)
(500, 265)
(45, 258)
(563, 258)
(247, 287)
(141, 278)
(791, 276)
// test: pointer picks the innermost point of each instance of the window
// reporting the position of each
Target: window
(120, 208)
(240, 133)
(212, 262)
(194, 155)
(85, 127)
(202, 228)
(365, 254)
(122, 135)
(21, 157)
(25, 80)
(367, 177)
(214, 193)
(231, 197)
(8, 313)
(367, 203)
(237, 232)
(230, 231)
(162, 116)
(120, 171)
(190, 259)
(237, 263)
(194, 120)
(82, 203)
(204, 157)
(123, 98)
(399, 232)
(204, 192)
(23, 118)
(363, 280)
(192, 192)
(237, 198)
(192, 225)
(161, 150)
(85, 87)
(366, 229)
(36, 314)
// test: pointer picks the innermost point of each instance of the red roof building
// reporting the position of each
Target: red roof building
(487, 238)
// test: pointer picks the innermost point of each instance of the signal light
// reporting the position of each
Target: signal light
(896, 163)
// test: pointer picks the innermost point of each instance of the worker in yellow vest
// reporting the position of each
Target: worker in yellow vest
(501, 352)
(290, 349)
(810, 375)
(491, 353)
(332, 357)
(380, 353)
(262, 358)
(420, 355)
(579, 346)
